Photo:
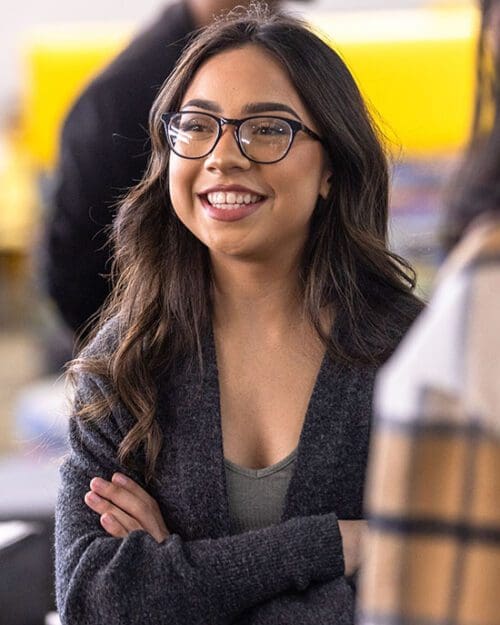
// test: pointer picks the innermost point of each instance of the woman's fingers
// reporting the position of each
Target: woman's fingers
(119, 496)
(150, 515)
(352, 532)
(134, 502)
(125, 482)
(112, 526)
(106, 509)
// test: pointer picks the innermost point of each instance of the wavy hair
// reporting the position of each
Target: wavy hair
(162, 294)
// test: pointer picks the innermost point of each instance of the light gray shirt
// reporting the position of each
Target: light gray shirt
(257, 496)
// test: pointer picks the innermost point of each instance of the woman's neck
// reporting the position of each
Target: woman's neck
(261, 294)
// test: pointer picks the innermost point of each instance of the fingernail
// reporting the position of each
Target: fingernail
(93, 498)
(119, 479)
(97, 482)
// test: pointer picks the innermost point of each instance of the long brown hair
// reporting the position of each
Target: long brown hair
(162, 295)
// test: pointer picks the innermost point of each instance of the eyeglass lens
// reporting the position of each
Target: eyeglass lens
(263, 139)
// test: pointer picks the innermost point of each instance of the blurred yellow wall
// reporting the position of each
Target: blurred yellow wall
(59, 63)
(417, 70)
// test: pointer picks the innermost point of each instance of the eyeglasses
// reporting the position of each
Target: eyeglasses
(260, 139)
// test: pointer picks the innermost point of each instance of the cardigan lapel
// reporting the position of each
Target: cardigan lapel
(193, 476)
(333, 446)
(331, 458)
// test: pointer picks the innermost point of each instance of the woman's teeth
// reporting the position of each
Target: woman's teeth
(229, 200)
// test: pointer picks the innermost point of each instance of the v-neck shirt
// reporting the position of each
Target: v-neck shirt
(256, 497)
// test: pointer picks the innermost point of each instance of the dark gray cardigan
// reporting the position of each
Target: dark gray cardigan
(288, 573)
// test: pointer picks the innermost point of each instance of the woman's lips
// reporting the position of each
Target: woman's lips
(231, 212)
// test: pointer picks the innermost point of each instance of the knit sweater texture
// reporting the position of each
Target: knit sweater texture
(291, 572)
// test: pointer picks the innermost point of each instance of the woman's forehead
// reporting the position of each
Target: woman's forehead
(237, 78)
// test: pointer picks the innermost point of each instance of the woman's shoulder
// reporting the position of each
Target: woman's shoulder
(405, 308)
(104, 341)
(398, 311)
(89, 371)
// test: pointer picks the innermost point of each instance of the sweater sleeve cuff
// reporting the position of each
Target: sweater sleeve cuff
(288, 556)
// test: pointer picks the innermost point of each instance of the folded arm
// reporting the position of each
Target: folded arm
(136, 579)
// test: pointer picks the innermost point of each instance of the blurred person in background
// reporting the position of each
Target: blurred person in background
(220, 429)
(104, 151)
(433, 552)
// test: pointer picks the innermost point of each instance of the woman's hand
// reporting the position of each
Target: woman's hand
(124, 507)
(352, 533)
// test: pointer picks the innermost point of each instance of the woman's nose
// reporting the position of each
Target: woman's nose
(227, 154)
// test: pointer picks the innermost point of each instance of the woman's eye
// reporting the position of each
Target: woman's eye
(195, 125)
(268, 129)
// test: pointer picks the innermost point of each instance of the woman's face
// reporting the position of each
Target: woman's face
(235, 206)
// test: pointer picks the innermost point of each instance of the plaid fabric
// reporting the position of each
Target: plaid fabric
(432, 556)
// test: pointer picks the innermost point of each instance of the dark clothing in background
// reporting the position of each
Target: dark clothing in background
(104, 150)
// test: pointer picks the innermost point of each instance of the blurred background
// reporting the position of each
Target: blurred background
(414, 62)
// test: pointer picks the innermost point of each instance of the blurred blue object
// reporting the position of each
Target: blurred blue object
(28, 485)
(41, 416)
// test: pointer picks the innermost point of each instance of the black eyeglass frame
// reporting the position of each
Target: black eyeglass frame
(295, 126)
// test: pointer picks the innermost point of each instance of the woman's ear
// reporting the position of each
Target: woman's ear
(326, 183)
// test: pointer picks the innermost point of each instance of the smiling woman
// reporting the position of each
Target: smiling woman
(215, 160)
(222, 412)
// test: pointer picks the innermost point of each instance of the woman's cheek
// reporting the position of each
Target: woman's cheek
(173, 180)
(179, 187)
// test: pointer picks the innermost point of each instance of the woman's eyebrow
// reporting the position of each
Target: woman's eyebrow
(252, 108)
(208, 105)
(265, 107)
